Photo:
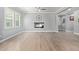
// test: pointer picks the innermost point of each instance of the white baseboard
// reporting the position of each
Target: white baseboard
(40, 31)
(76, 33)
(10, 37)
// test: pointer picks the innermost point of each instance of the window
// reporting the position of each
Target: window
(20, 20)
(12, 19)
(17, 19)
(9, 18)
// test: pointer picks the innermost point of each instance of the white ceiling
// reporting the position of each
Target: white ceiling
(36, 9)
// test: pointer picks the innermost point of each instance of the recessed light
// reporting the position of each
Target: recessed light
(69, 9)
(39, 10)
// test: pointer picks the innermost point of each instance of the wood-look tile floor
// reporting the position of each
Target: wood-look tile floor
(42, 41)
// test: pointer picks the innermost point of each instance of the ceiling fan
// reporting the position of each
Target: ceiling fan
(39, 9)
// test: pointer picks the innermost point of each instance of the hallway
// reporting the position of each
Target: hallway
(42, 41)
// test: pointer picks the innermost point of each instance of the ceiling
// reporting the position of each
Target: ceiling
(58, 10)
(39, 9)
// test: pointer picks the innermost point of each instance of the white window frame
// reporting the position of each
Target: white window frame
(6, 11)
(16, 13)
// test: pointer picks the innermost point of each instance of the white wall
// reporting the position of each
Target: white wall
(69, 24)
(48, 19)
(1, 21)
(72, 26)
(76, 23)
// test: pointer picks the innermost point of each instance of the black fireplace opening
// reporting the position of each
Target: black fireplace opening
(38, 24)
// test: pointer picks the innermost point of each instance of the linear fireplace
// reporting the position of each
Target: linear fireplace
(38, 24)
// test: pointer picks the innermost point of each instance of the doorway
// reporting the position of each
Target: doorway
(61, 25)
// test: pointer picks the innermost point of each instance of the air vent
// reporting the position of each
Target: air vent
(43, 9)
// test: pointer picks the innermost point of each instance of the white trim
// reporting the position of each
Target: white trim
(39, 31)
(68, 31)
(39, 12)
(76, 33)
(57, 11)
(61, 9)
(10, 37)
